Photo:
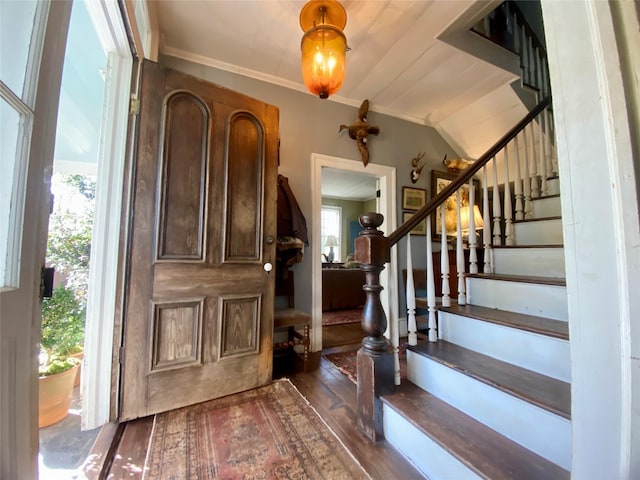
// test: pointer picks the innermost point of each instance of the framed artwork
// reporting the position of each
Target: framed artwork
(440, 180)
(420, 229)
(413, 198)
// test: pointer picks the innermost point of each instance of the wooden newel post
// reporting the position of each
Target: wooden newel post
(375, 358)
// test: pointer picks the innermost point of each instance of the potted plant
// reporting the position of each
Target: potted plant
(62, 332)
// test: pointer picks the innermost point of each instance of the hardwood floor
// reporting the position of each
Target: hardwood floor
(330, 393)
(333, 396)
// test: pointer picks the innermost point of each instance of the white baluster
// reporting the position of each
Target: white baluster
(497, 214)
(473, 243)
(412, 328)
(431, 287)
(508, 207)
(444, 259)
(516, 34)
(544, 190)
(462, 295)
(533, 165)
(526, 182)
(545, 78)
(486, 232)
(550, 133)
(524, 56)
(518, 183)
(531, 61)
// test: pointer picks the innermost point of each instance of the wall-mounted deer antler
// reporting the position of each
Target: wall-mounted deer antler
(360, 130)
(417, 169)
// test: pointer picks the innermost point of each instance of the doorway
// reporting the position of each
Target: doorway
(386, 205)
(88, 172)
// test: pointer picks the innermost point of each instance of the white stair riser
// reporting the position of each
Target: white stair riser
(543, 262)
(536, 429)
(427, 456)
(553, 186)
(546, 207)
(531, 298)
(540, 232)
(540, 353)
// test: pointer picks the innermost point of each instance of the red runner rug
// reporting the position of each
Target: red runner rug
(340, 317)
(266, 433)
(346, 363)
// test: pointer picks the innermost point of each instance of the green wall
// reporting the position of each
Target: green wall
(351, 210)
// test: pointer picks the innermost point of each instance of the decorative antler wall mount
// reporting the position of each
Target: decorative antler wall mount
(360, 130)
(417, 167)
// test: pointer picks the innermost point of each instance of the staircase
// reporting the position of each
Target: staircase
(491, 398)
(488, 391)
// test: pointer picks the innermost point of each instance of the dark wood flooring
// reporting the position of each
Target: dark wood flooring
(330, 393)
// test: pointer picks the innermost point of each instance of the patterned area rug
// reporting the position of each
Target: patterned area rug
(340, 317)
(266, 433)
(346, 363)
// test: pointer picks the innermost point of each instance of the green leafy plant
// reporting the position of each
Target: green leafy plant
(68, 250)
(62, 330)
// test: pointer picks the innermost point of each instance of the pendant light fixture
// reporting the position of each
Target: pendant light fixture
(324, 46)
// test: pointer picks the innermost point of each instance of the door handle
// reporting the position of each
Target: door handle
(268, 267)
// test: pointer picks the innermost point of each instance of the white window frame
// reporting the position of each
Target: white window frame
(11, 238)
(337, 251)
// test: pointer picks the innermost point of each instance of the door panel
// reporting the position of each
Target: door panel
(199, 315)
(184, 165)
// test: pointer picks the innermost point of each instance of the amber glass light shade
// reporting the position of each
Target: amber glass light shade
(324, 46)
(324, 55)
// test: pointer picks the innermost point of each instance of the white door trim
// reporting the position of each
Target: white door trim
(103, 269)
(388, 277)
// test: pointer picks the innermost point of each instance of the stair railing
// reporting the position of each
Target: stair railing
(376, 358)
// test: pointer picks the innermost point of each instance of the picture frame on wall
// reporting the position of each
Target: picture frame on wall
(413, 198)
(420, 229)
(439, 181)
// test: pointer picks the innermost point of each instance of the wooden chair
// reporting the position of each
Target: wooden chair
(289, 317)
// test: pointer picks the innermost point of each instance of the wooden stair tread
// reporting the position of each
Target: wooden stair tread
(507, 247)
(545, 392)
(542, 197)
(421, 302)
(519, 278)
(480, 448)
(521, 321)
(538, 219)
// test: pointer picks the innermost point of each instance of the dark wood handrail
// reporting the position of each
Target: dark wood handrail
(465, 175)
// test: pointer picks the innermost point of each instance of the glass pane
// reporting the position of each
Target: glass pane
(10, 121)
(81, 96)
(330, 233)
(16, 26)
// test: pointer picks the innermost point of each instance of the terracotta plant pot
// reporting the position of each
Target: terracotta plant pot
(55, 396)
(78, 356)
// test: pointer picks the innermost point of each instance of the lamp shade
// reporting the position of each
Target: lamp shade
(331, 241)
(464, 219)
(323, 46)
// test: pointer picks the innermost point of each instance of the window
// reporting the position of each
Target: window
(22, 27)
(331, 220)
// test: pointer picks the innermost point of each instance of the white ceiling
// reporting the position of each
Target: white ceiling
(415, 60)
(345, 184)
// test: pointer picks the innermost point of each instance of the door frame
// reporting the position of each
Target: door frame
(387, 207)
(102, 306)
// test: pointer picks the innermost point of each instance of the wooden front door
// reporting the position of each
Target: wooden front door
(199, 301)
